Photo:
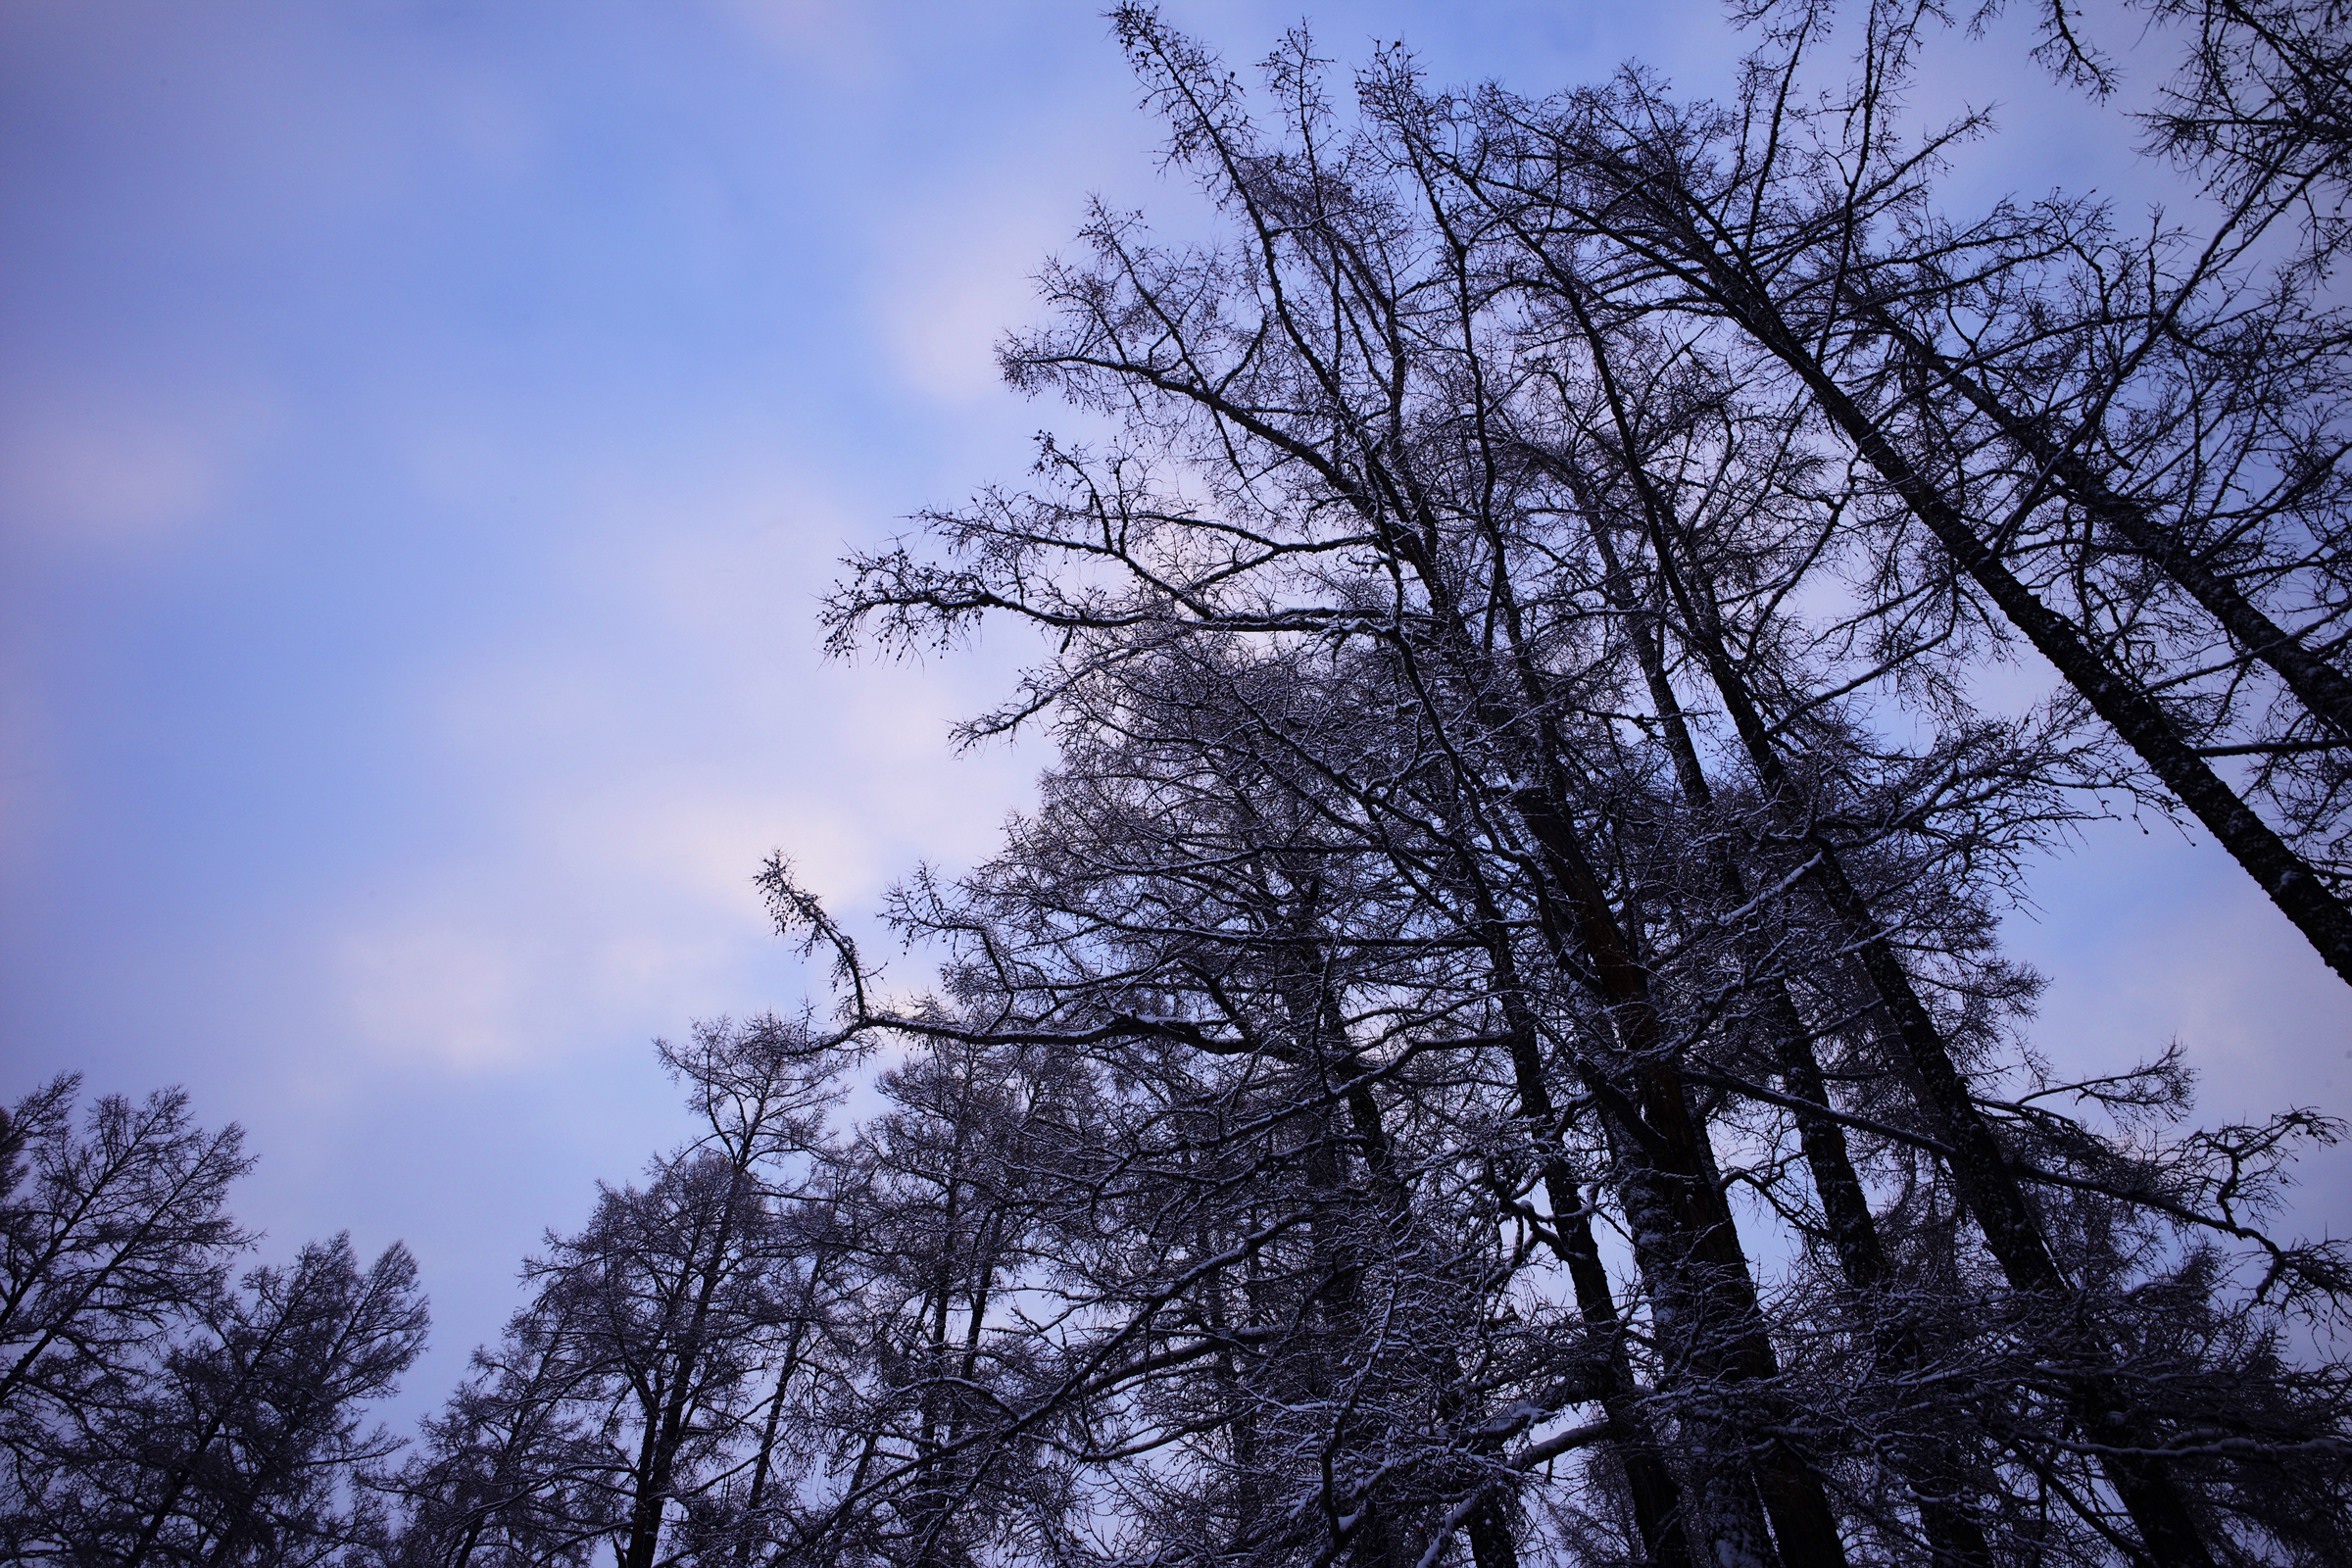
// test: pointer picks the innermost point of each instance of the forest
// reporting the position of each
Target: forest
(1492, 1044)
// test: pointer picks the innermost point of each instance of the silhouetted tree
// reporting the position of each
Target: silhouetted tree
(236, 1445)
(110, 1237)
(1496, 428)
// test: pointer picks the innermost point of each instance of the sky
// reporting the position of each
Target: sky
(425, 432)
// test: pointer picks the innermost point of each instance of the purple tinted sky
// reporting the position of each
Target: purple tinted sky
(423, 432)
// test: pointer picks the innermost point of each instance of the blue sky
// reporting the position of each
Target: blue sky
(424, 431)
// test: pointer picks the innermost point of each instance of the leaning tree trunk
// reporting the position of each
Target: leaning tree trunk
(1980, 1169)
(1656, 1495)
(2322, 690)
(2126, 707)
(1953, 1533)
(1684, 1238)
(1683, 1233)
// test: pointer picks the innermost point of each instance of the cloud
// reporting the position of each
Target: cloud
(587, 790)
(953, 284)
(835, 42)
(443, 993)
(126, 470)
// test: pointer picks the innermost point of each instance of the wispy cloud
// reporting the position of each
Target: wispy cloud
(126, 468)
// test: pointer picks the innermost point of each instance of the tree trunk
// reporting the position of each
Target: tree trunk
(1980, 1169)
(2324, 692)
(2114, 696)
(1683, 1229)
(1952, 1531)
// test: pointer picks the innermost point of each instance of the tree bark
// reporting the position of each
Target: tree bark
(1953, 1535)
(2324, 691)
(1980, 1169)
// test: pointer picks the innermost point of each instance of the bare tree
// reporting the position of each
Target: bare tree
(506, 1472)
(637, 1401)
(1493, 417)
(236, 1445)
(109, 1237)
(1495, 1042)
